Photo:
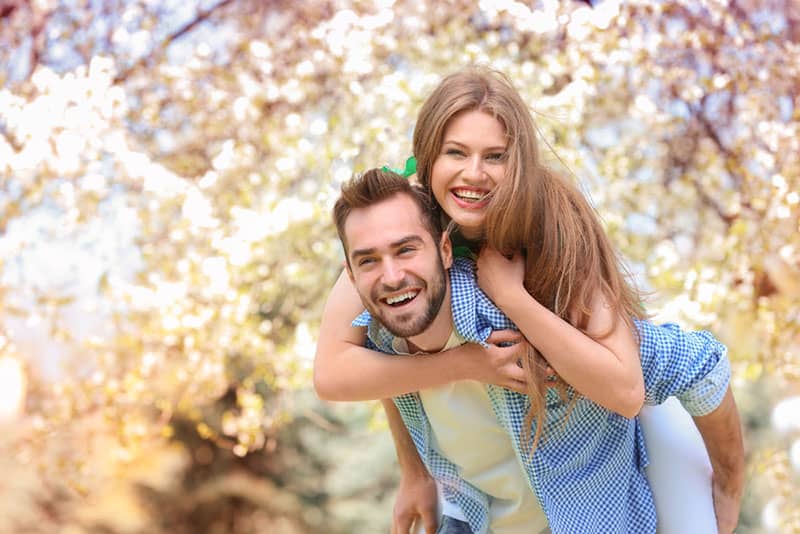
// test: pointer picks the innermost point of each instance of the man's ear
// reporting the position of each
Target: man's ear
(446, 249)
(349, 272)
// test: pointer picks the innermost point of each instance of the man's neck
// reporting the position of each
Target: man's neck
(435, 337)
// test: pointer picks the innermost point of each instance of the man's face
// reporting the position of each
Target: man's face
(397, 269)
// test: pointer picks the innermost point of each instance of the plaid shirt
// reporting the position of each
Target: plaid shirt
(588, 470)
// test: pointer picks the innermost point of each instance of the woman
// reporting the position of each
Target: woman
(557, 277)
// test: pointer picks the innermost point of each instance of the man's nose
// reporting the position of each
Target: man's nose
(393, 273)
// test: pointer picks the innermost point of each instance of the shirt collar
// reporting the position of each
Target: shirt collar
(363, 319)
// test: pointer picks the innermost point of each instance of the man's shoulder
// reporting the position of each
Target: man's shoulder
(462, 273)
(463, 264)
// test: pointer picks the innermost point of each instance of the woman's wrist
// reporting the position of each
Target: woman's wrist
(462, 362)
(512, 299)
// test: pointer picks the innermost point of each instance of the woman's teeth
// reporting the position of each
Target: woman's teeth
(469, 196)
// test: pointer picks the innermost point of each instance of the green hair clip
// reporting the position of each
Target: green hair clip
(411, 168)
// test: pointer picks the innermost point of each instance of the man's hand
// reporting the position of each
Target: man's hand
(727, 502)
(416, 502)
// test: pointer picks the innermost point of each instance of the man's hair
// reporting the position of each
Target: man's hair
(377, 185)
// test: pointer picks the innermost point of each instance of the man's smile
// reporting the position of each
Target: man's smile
(401, 299)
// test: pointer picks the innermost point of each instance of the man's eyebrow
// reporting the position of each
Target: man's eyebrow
(406, 240)
(395, 244)
(362, 252)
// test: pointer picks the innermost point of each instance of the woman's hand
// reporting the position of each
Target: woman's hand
(497, 363)
(499, 277)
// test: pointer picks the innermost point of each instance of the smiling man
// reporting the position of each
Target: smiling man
(397, 257)
(587, 474)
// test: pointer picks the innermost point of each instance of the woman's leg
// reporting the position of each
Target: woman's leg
(679, 472)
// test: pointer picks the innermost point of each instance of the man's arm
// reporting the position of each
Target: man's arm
(722, 435)
(416, 496)
(694, 367)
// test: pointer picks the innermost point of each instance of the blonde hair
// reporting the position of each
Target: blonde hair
(569, 259)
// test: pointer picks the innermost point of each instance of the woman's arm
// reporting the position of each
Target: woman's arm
(607, 371)
(346, 371)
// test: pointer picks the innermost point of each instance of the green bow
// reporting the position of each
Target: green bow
(411, 168)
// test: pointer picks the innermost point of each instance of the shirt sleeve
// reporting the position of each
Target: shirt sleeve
(692, 366)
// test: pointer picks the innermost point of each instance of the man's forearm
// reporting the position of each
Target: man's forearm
(722, 435)
(407, 455)
(417, 495)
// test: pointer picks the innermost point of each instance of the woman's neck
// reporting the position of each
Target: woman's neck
(460, 240)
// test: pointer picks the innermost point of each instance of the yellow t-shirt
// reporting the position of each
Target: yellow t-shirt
(466, 432)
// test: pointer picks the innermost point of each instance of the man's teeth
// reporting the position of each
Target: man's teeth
(469, 195)
(402, 297)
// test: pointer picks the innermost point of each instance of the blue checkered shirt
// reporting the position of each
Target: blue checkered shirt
(588, 470)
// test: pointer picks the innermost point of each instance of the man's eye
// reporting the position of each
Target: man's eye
(365, 261)
(406, 250)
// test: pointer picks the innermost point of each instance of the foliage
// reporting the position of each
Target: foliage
(209, 140)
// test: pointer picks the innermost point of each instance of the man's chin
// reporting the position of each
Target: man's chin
(404, 330)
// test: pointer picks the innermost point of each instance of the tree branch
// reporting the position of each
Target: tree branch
(177, 34)
(710, 202)
(7, 8)
(37, 38)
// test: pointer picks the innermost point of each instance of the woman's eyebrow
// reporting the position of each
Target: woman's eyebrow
(462, 145)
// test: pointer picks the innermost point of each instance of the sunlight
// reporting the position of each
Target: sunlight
(786, 415)
(13, 385)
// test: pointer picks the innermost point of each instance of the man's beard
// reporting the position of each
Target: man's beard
(408, 325)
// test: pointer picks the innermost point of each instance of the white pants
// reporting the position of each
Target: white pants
(679, 472)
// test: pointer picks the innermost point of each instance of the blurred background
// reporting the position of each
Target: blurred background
(167, 169)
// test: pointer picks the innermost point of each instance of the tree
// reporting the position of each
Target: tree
(213, 139)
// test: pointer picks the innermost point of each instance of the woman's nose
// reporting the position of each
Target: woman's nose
(474, 168)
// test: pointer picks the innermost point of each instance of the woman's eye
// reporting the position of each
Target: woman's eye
(499, 156)
(454, 152)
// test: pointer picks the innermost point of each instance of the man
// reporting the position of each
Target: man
(586, 475)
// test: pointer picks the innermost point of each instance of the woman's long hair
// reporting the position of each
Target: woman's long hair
(569, 259)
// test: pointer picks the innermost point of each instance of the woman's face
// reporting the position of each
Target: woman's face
(472, 161)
